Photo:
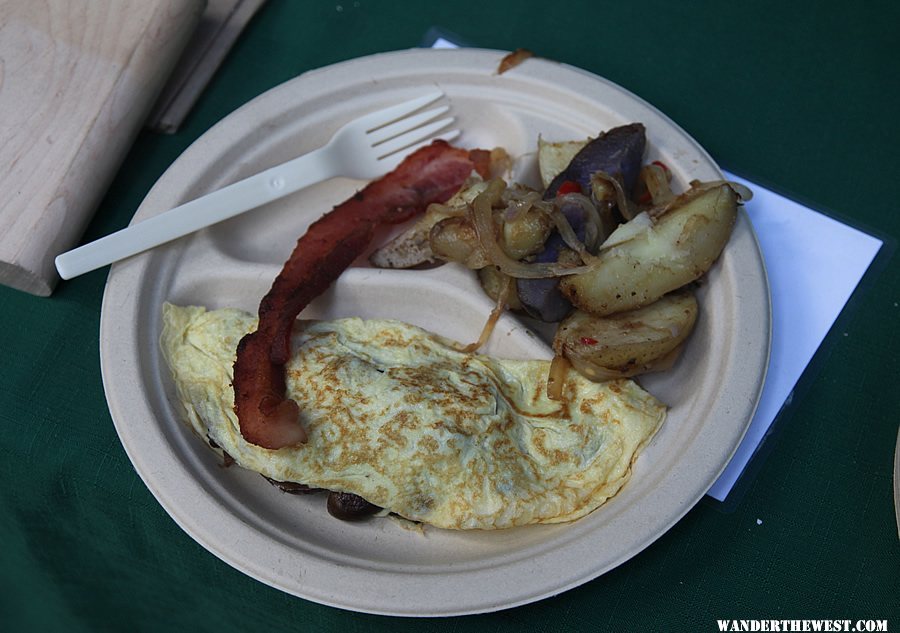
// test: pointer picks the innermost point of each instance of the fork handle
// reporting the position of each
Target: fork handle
(234, 199)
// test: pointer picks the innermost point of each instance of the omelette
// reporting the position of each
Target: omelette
(402, 418)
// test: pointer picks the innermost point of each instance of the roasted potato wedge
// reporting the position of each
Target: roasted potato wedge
(455, 240)
(628, 343)
(412, 248)
(553, 158)
(525, 234)
(637, 266)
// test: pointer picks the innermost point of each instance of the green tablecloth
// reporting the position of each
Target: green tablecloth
(802, 97)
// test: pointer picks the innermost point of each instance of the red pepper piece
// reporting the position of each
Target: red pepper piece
(569, 186)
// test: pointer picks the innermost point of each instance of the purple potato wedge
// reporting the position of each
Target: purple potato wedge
(617, 152)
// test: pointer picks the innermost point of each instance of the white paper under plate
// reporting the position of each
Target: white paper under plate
(378, 566)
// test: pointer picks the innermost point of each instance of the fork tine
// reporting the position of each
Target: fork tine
(404, 125)
(392, 113)
(412, 137)
(390, 162)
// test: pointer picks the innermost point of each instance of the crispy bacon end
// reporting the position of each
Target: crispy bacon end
(431, 174)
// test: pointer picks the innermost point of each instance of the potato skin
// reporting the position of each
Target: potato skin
(491, 280)
(680, 247)
(628, 343)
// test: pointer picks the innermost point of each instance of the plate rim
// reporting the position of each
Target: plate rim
(128, 269)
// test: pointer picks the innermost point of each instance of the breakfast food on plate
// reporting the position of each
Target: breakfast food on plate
(402, 418)
(387, 416)
(600, 250)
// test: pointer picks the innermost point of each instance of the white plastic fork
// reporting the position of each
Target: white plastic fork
(365, 148)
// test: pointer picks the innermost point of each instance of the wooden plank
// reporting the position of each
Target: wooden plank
(221, 24)
(77, 80)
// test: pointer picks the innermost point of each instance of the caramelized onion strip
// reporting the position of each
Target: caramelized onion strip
(622, 202)
(568, 233)
(491, 323)
(556, 377)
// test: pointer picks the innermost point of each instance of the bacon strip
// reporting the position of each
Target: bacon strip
(332, 243)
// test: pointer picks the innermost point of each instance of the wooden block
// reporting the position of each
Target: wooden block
(220, 25)
(77, 80)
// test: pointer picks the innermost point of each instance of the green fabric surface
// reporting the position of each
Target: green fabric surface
(801, 97)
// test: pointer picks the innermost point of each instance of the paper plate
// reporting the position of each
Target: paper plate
(379, 566)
